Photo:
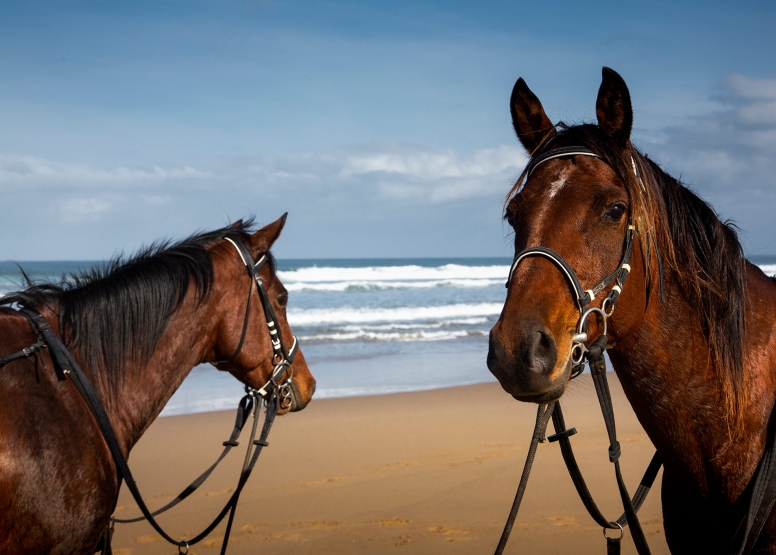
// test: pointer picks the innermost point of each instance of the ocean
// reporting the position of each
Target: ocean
(366, 326)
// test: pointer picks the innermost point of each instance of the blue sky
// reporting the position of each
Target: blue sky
(381, 127)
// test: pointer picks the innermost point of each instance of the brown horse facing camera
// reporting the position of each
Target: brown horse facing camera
(698, 366)
(136, 328)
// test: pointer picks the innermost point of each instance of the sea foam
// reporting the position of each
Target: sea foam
(356, 315)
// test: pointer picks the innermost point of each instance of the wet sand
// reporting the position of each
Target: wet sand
(427, 472)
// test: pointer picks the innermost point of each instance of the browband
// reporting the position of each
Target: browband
(559, 153)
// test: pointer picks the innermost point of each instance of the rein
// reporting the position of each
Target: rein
(763, 498)
(275, 393)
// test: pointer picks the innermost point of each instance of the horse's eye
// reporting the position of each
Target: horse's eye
(283, 300)
(616, 212)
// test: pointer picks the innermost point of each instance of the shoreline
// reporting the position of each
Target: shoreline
(352, 392)
(407, 367)
(419, 472)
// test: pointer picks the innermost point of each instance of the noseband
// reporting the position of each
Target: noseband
(282, 358)
(583, 297)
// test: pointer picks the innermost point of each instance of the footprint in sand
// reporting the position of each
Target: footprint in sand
(214, 493)
(323, 481)
(398, 465)
(317, 525)
(446, 530)
(453, 534)
(148, 539)
(479, 459)
(404, 540)
(632, 439)
(250, 528)
(292, 537)
(563, 520)
(323, 525)
(395, 521)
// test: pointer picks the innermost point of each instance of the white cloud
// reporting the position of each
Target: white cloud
(156, 200)
(434, 176)
(78, 210)
(729, 155)
(738, 137)
(394, 173)
(19, 171)
(748, 88)
(433, 165)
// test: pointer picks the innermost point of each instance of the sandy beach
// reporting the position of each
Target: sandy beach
(425, 472)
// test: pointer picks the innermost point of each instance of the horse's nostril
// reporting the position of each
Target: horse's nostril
(538, 351)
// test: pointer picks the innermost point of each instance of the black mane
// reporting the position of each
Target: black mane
(114, 315)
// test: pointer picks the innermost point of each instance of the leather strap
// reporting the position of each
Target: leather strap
(763, 498)
(67, 364)
(542, 418)
(581, 486)
(562, 434)
(244, 410)
(595, 356)
(24, 353)
(558, 153)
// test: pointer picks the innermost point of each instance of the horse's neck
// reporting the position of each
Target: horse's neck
(146, 389)
(667, 374)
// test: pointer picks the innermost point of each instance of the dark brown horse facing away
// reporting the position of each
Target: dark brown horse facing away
(136, 328)
(699, 367)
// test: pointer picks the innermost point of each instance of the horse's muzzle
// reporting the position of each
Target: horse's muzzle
(525, 371)
(298, 401)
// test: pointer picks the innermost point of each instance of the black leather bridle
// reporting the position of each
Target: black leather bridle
(762, 484)
(583, 297)
(282, 357)
(594, 355)
(275, 393)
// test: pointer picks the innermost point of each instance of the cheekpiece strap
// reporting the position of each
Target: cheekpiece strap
(245, 255)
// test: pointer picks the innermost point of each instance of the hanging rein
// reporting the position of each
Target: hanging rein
(764, 491)
(274, 394)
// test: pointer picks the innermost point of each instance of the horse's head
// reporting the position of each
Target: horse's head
(253, 339)
(580, 206)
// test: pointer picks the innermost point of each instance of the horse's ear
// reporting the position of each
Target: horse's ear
(613, 107)
(262, 240)
(528, 118)
(236, 224)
